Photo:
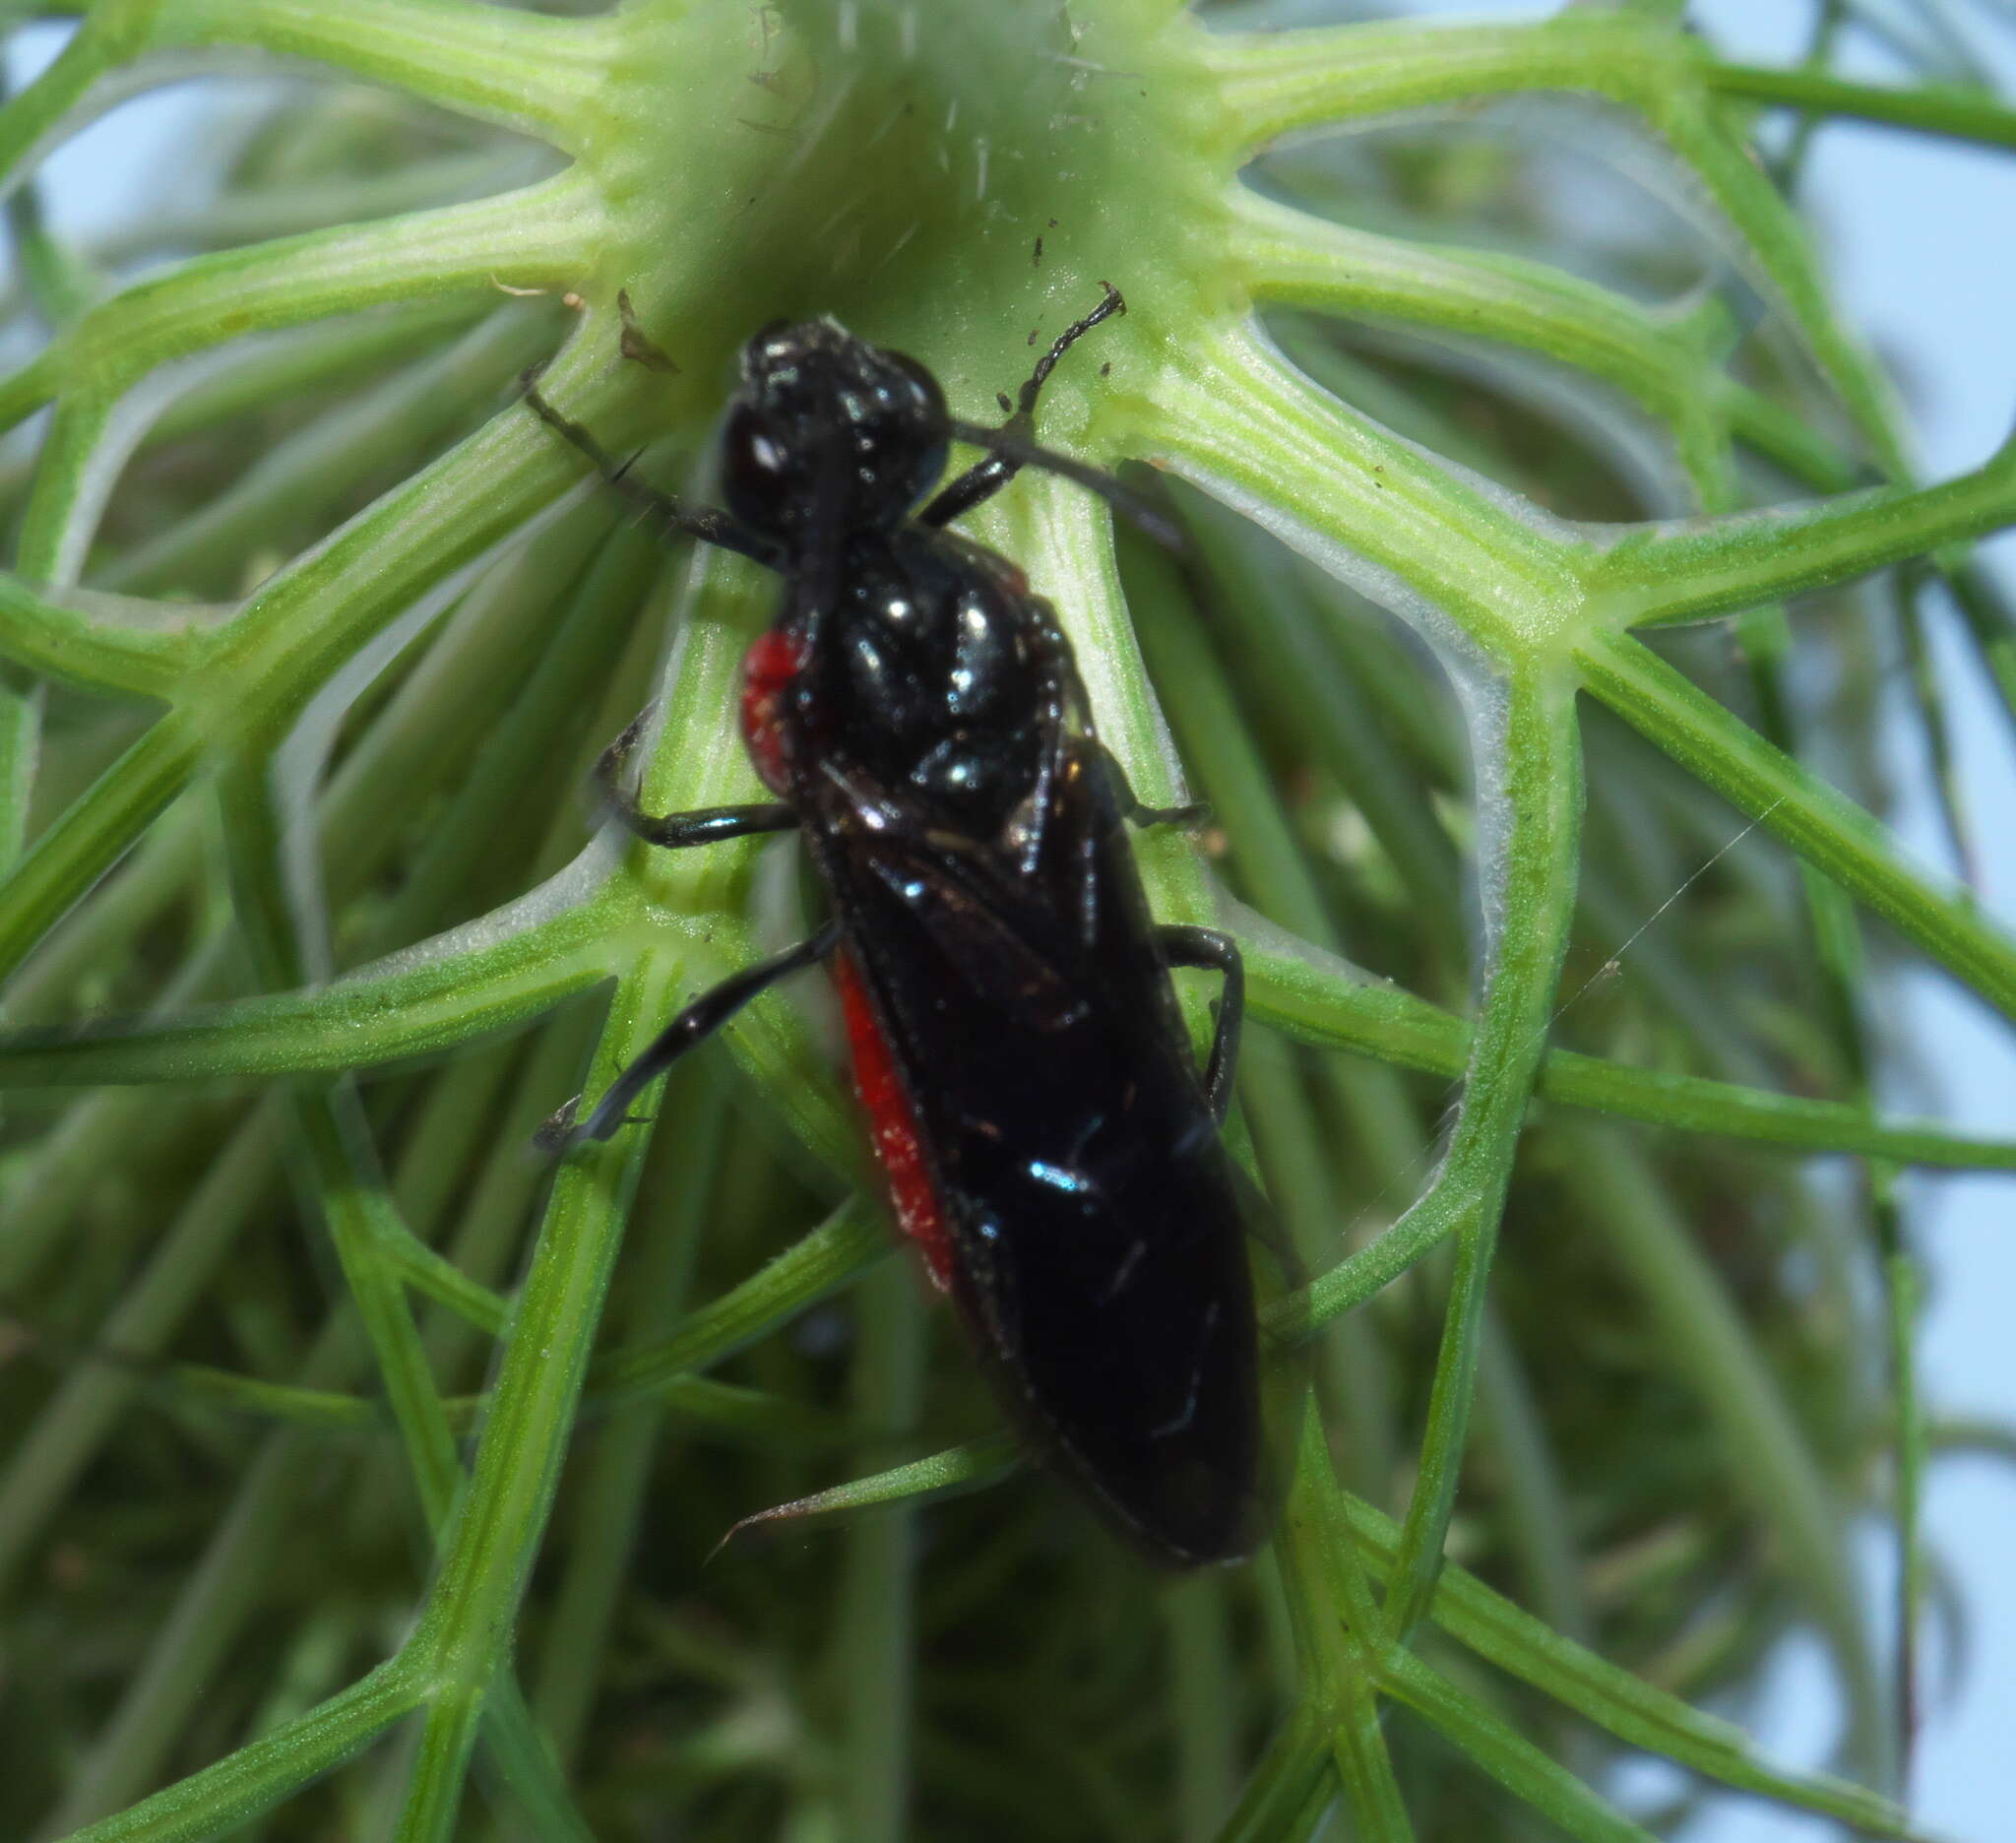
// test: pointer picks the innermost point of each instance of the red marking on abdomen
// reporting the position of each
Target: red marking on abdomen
(893, 1126)
(772, 662)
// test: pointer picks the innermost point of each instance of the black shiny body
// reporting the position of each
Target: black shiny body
(1097, 1238)
(917, 713)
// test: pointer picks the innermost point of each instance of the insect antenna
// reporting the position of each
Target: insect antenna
(1020, 452)
(659, 510)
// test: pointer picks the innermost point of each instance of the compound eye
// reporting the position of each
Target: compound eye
(754, 470)
(926, 398)
(748, 445)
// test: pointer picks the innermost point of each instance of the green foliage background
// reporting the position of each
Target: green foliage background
(350, 1456)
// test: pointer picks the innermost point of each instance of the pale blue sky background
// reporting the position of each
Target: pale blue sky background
(1922, 241)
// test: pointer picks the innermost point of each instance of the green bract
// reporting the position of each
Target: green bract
(329, 712)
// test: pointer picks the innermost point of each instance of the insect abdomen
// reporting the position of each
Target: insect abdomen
(893, 1129)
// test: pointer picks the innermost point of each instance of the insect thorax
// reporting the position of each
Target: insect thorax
(932, 676)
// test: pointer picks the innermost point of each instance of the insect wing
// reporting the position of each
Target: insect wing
(1093, 1222)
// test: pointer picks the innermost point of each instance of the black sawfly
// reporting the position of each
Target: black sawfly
(1036, 1106)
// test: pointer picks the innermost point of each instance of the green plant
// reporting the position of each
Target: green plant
(331, 709)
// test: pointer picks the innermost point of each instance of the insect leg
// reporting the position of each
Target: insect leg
(1207, 947)
(693, 1026)
(661, 510)
(987, 478)
(704, 825)
(1132, 809)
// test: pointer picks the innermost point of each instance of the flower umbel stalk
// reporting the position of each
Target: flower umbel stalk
(372, 665)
